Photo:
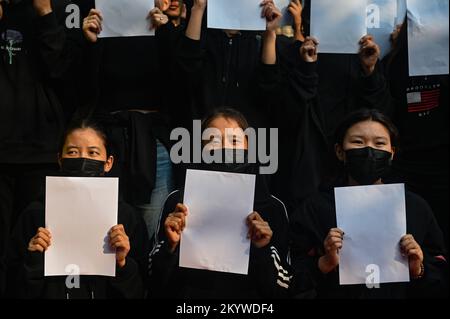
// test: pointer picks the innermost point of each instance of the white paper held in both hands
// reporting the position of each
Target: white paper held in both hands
(235, 15)
(215, 237)
(79, 212)
(428, 35)
(374, 220)
(125, 18)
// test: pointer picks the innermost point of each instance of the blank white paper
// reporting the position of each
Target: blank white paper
(338, 24)
(215, 237)
(428, 35)
(79, 212)
(125, 18)
(374, 220)
(235, 15)
(381, 17)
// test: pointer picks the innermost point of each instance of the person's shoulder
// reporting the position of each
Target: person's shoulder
(278, 208)
(316, 204)
(417, 205)
(34, 209)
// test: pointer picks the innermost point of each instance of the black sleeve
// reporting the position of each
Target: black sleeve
(59, 48)
(269, 266)
(26, 269)
(434, 283)
(162, 263)
(191, 55)
(138, 257)
(128, 282)
(373, 91)
(305, 253)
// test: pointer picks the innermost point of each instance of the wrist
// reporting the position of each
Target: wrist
(419, 271)
(44, 11)
(122, 263)
(270, 35)
(172, 247)
(325, 266)
(197, 9)
(368, 70)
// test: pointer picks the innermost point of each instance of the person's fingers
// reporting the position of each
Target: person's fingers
(44, 236)
(41, 242)
(333, 247)
(180, 218)
(254, 216)
(45, 231)
(366, 38)
(406, 237)
(181, 208)
(95, 12)
(409, 246)
(154, 11)
(94, 25)
(117, 233)
(335, 234)
(120, 244)
(332, 240)
(338, 230)
(34, 247)
(413, 252)
(173, 225)
(119, 238)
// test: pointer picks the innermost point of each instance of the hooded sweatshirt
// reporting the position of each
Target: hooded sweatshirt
(35, 54)
(267, 275)
(310, 225)
(26, 269)
(221, 71)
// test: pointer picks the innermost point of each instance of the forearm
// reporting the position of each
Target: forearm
(269, 54)
(298, 33)
(194, 28)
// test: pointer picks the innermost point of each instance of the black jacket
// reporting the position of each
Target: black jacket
(26, 269)
(36, 54)
(120, 73)
(310, 225)
(221, 73)
(268, 271)
(343, 88)
(295, 111)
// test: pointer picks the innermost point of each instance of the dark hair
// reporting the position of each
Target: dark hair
(86, 124)
(227, 113)
(363, 115)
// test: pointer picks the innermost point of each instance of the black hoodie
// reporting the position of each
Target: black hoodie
(310, 225)
(26, 269)
(267, 276)
(35, 54)
(221, 73)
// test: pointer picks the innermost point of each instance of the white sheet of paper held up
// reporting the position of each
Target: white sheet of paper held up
(381, 17)
(338, 24)
(215, 237)
(235, 15)
(428, 35)
(125, 18)
(79, 212)
(374, 220)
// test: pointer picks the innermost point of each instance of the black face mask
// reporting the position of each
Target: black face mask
(82, 167)
(231, 161)
(367, 165)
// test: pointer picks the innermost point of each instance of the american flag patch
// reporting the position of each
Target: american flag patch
(423, 101)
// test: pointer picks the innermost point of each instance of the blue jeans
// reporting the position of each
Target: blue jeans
(163, 186)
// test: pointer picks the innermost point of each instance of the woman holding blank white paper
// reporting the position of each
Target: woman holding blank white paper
(267, 230)
(365, 146)
(85, 153)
